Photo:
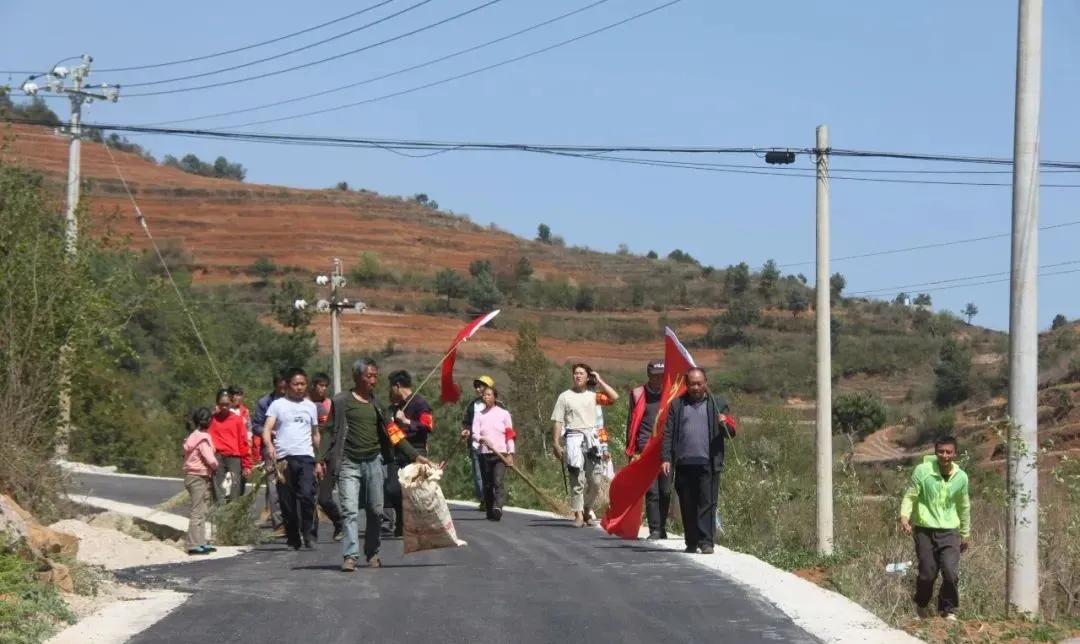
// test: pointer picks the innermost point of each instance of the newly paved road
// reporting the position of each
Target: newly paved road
(525, 580)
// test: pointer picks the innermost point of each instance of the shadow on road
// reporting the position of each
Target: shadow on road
(552, 523)
(631, 547)
(361, 566)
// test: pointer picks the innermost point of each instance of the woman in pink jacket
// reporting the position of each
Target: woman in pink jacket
(199, 466)
(493, 430)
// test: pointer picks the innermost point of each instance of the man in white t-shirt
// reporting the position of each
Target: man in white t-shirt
(291, 434)
(575, 419)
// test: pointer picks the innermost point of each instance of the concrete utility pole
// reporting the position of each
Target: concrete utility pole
(1022, 577)
(334, 306)
(335, 324)
(78, 94)
(823, 315)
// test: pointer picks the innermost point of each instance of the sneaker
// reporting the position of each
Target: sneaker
(339, 532)
(587, 517)
(950, 617)
(348, 565)
(373, 562)
(653, 536)
(690, 549)
(496, 514)
(923, 612)
(663, 535)
(197, 551)
(707, 549)
(207, 548)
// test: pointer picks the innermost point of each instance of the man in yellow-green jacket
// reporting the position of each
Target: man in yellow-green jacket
(937, 510)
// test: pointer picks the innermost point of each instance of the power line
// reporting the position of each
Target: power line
(954, 242)
(403, 70)
(687, 165)
(895, 289)
(473, 72)
(594, 152)
(995, 281)
(282, 54)
(251, 46)
(278, 72)
(164, 264)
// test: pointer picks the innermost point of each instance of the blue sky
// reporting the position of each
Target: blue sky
(921, 76)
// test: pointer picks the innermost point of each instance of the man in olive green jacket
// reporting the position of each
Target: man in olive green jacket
(937, 510)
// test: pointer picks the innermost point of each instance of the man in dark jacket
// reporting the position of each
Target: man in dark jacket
(361, 440)
(417, 420)
(697, 426)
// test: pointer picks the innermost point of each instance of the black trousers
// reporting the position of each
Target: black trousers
(492, 473)
(657, 504)
(938, 551)
(325, 500)
(297, 497)
(697, 487)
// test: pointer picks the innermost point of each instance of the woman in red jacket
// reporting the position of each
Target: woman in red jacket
(229, 436)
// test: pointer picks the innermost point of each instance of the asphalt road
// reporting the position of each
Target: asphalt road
(139, 491)
(525, 580)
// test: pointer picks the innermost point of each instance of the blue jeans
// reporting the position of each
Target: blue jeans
(360, 485)
(478, 480)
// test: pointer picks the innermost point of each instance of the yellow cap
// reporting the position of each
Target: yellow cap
(486, 380)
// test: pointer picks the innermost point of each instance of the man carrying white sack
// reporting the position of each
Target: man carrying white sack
(362, 440)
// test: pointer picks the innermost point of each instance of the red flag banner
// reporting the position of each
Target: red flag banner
(451, 392)
(627, 493)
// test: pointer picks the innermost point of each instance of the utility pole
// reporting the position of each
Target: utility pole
(78, 93)
(335, 324)
(335, 306)
(1022, 578)
(823, 315)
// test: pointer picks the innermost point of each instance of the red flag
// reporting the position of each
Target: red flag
(450, 391)
(627, 493)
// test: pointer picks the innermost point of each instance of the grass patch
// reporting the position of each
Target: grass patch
(30, 611)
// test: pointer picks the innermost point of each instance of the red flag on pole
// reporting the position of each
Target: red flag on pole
(627, 493)
(450, 391)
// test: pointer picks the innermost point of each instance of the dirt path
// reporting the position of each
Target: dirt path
(881, 447)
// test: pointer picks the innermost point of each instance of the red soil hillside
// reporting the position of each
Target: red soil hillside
(191, 211)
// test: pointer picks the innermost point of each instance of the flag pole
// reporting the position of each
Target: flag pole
(432, 372)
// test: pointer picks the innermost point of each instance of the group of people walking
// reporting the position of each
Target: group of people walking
(312, 444)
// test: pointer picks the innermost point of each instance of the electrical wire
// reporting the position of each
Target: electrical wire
(403, 70)
(995, 281)
(472, 72)
(279, 55)
(351, 52)
(251, 46)
(165, 265)
(894, 289)
(954, 242)
(793, 173)
(592, 152)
